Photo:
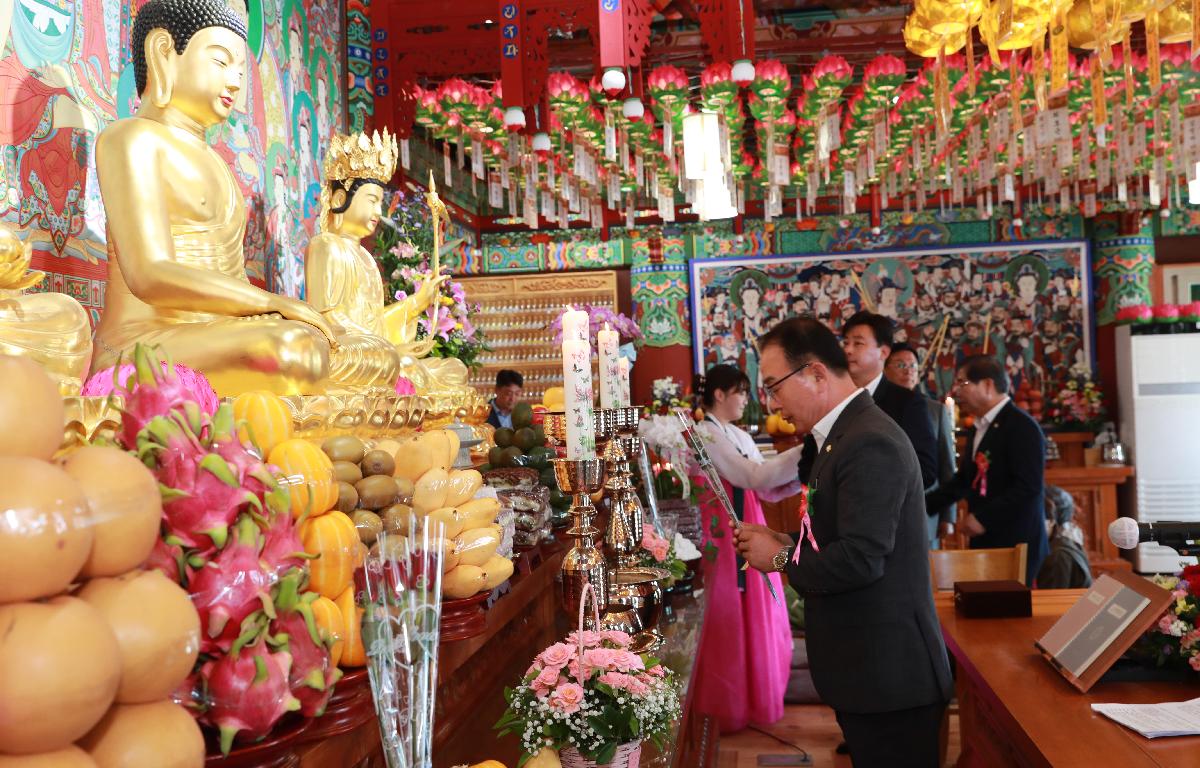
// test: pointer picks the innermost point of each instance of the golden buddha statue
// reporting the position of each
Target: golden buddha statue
(343, 279)
(176, 219)
(52, 329)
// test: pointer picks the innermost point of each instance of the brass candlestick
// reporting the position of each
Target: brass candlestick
(618, 429)
(584, 563)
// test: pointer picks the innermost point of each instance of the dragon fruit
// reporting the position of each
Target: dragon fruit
(247, 692)
(232, 588)
(283, 550)
(158, 390)
(294, 629)
(169, 559)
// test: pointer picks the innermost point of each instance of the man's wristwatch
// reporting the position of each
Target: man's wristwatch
(779, 562)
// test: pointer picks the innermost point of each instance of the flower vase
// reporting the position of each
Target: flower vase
(627, 756)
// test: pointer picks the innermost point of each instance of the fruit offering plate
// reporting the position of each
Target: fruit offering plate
(464, 618)
(350, 706)
(275, 751)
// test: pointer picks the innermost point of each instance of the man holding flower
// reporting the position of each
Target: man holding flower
(874, 643)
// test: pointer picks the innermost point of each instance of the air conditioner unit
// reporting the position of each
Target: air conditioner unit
(1158, 380)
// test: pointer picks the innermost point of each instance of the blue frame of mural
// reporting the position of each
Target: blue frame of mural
(1024, 263)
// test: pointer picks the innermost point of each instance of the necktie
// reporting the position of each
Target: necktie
(808, 455)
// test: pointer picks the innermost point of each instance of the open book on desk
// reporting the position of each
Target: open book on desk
(1172, 718)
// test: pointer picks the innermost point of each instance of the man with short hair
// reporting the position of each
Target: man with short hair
(873, 639)
(508, 391)
(867, 340)
(1003, 475)
(903, 370)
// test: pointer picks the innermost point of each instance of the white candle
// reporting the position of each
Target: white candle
(577, 386)
(575, 325)
(623, 373)
(610, 376)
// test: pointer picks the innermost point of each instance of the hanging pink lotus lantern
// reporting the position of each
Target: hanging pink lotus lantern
(428, 108)
(831, 75)
(883, 75)
(717, 89)
(772, 83)
(567, 94)
(668, 85)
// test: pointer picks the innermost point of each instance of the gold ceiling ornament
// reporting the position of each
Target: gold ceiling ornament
(1030, 19)
(950, 17)
(921, 40)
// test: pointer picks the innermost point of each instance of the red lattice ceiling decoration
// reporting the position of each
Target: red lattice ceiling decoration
(727, 27)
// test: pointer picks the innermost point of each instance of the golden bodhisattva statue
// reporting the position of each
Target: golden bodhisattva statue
(343, 279)
(51, 329)
(176, 218)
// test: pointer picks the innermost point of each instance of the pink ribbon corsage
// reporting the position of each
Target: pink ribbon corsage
(981, 470)
(805, 524)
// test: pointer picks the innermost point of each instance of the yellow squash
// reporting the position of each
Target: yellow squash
(334, 539)
(308, 474)
(263, 419)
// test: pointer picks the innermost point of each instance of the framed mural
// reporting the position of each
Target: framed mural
(1026, 302)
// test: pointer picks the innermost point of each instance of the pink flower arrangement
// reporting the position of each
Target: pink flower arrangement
(1174, 641)
(100, 384)
(592, 693)
(598, 316)
(1078, 404)
(656, 545)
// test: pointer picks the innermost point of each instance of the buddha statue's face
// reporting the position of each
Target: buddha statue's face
(208, 75)
(362, 217)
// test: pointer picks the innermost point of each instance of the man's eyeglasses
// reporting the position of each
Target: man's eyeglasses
(905, 366)
(773, 387)
(960, 383)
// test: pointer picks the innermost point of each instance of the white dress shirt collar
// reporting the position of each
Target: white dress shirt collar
(985, 421)
(822, 428)
(874, 385)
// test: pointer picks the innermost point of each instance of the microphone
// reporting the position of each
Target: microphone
(1127, 533)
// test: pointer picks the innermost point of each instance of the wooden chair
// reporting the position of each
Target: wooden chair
(947, 566)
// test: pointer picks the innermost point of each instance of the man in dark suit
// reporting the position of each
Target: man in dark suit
(903, 370)
(873, 639)
(508, 391)
(1002, 477)
(867, 340)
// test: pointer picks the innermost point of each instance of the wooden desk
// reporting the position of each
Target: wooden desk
(1094, 490)
(1015, 710)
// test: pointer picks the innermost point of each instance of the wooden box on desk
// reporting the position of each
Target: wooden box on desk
(999, 599)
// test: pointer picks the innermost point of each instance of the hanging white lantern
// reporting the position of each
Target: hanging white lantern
(702, 155)
(743, 72)
(633, 109)
(541, 142)
(514, 118)
(613, 81)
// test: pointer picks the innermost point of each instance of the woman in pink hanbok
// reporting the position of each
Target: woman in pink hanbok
(746, 646)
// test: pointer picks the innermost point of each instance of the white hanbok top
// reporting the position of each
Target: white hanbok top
(738, 460)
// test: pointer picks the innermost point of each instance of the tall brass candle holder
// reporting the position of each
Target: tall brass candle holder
(584, 562)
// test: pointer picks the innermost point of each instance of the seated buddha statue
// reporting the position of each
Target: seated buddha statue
(52, 329)
(343, 280)
(176, 219)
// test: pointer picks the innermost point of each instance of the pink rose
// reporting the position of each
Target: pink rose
(546, 681)
(601, 658)
(623, 682)
(627, 660)
(567, 698)
(590, 638)
(660, 551)
(557, 655)
(656, 671)
(1164, 624)
(617, 637)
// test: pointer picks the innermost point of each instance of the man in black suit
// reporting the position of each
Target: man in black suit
(1002, 477)
(903, 370)
(873, 639)
(867, 339)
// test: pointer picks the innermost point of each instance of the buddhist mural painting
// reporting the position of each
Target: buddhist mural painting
(66, 72)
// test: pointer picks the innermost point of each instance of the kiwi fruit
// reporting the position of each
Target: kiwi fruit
(395, 518)
(368, 524)
(347, 498)
(378, 463)
(377, 491)
(346, 472)
(344, 448)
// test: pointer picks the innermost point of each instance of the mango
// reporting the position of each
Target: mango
(430, 491)
(496, 571)
(463, 581)
(452, 518)
(464, 484)
(479, 512)
(476, 546)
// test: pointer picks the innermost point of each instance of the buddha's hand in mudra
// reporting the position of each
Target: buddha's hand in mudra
(428, 292)
(291, 309)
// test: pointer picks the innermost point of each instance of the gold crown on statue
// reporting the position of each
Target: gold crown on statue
(359, 156)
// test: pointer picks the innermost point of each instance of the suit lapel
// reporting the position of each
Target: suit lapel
(853, 408)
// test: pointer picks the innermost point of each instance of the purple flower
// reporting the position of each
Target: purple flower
(401, 295)
(1166, 650)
